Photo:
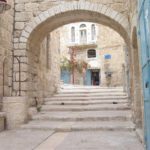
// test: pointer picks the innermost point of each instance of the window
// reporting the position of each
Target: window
(91, 53)
(93, 32)
(73, 34)
(83, 33)
(82, 26)
(107, 56)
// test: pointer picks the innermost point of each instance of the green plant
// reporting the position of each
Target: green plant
(65, 64)
(39, 108)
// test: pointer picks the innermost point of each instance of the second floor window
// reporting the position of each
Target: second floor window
(91, 53)
(73, 34)
(93, 32)
(83, 33)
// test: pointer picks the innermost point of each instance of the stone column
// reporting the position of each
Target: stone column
(137, 104)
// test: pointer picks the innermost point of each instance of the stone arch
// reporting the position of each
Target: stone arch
(66, 13)
(74, 12)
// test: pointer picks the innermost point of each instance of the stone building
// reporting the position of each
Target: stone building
(92, 44)
(24, 32)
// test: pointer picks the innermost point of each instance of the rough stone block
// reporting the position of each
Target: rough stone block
(16, 111)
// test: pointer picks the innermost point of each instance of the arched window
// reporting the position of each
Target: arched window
(73, 34)
(82, 26)
(93, 32)
(83, 33)
(91, 53)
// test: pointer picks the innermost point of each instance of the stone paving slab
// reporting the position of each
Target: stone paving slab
(48, 140)
(100, 141)
(22, 139)
(52, 142)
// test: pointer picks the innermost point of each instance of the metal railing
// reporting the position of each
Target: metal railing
(5, 60)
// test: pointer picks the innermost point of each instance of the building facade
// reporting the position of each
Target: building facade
(91, 43)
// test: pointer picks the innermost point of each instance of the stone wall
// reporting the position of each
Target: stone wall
(136, 88)
(110, 42)
(6, 47)
(44, 71)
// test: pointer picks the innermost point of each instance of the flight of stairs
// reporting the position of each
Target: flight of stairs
(84, 108)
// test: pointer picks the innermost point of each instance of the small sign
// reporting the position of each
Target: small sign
(107, 56)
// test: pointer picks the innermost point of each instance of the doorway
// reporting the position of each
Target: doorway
(95, 77)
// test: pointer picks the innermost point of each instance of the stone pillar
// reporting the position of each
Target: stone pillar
(16, 111)
(137, 94)
(137, 104)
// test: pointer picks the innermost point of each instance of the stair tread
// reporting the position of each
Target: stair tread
(88, 102)
(85, 98)
(86, 107)
(90, 94)
(83, 114)
(81, 125)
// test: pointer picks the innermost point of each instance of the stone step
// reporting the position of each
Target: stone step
(81, 126)
(120, 115)
(96, 107)
(88, 102)
(90, 90)
(88, 94)
(88, 87)
(88, 98)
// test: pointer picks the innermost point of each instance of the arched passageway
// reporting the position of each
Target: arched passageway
(47, 21)
(31, 73)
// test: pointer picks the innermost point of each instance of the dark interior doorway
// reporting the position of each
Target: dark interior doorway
(95, 77)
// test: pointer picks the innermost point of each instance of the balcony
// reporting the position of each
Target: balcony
(83, 45)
